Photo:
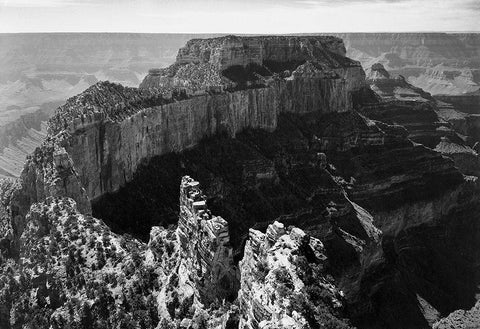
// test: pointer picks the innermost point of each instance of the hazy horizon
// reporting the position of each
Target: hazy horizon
(238, 17)
(235, 33)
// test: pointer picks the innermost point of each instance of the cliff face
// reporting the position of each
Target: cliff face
(283, 274)
(230, 51)
(418, 200)
(175, 114)
(114, 150)
(467, 103)
(452, 81)
(48, 172)
(271, 142)
(205, 244)
(416, 48)
(435, 124)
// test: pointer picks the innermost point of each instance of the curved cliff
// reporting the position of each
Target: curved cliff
(115, 128)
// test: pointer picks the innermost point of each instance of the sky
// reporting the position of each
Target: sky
(238, 16)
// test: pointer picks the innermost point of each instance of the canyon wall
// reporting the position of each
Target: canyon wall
(416, 48)
(439, 63)
(205, 245)
(305, 110)
(107, 154)
(467, 103)
(107, 139)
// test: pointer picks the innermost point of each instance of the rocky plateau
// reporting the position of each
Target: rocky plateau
(257, 182)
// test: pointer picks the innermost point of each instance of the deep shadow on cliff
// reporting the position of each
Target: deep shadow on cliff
(260, 176)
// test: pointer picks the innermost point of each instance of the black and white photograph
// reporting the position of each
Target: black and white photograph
(239, 164)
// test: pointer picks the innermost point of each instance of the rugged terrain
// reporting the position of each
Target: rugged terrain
(39, 71)
(439, 63)
(323, 202)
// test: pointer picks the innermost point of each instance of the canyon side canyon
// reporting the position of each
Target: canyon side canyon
(256, 182)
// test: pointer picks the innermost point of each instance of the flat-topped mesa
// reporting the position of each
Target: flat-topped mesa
(225, 52)
(234, 62)
(110, 129)
(205, 243)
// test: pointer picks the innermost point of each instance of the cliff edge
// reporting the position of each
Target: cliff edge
(220, 85)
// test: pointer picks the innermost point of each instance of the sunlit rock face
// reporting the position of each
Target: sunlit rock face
(126, 126)
(460, 319)
(230, 51)
(393, 87)
(48, 172)
(40, 71)
(283, 275)
(205, 243)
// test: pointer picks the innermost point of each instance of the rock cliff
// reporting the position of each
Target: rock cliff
(285, 283)
(115, 128)
(467, 103)
(363, 226)
(432, 123)
(205, 244)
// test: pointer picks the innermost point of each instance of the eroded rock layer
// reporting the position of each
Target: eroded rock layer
(283, 276)
(112, 129)
(439, 63)
(277, 131)
(430, 122)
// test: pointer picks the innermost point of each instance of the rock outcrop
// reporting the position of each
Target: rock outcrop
(18, 139)
(205, 246)
(432, 123)
(285, 283)
(466, 159)
(405, 105)
(112, 129)
(270, 127)
(439, 63)
(461, 319)
(449, 81)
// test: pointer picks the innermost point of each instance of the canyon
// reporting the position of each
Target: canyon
(439, 63)
(257, 182)
(40, 71)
